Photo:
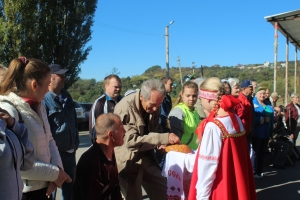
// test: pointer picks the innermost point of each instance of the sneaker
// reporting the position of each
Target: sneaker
(256, 176)
(264, 174)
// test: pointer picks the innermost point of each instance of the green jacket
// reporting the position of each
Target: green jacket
(183, 123)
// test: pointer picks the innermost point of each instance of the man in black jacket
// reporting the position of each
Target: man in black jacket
(106, 102)
(96, 172)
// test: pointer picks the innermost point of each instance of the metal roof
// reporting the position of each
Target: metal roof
(288, 25)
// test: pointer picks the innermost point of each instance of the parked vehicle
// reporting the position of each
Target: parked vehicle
(86, 107)
(81, 119)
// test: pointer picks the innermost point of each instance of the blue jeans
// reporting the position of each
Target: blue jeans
(69, 163)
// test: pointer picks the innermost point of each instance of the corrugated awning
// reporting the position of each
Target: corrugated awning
(288, 25)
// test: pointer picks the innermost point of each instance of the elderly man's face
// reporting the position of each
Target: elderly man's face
(248, 91)
(153, 103)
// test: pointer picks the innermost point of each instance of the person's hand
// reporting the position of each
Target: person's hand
(51, 187)
(62, 177)
(173, 139)
(161, 148)
(10, 121)
(292, 136)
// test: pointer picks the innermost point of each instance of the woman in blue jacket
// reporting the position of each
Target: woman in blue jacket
(263, 130)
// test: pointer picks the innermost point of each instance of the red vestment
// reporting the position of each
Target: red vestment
(233, 177)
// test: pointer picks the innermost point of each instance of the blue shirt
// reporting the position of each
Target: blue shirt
(62, 119)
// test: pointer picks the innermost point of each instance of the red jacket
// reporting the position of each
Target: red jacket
(293, 112)
(244, 110)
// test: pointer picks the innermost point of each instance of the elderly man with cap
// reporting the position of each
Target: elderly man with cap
(273, 99)
(63, 123)
(245, 109)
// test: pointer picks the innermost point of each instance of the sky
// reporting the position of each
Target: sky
(129, 34)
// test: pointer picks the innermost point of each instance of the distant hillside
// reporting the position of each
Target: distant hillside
(87, 90)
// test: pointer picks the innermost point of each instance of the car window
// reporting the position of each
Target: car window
(86, 106)
(76, 104)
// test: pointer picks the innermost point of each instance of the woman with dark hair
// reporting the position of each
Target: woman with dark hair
(184, 118)
(22, 90)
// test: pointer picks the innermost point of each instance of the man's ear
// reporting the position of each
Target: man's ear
(110, 134)
(141, 97)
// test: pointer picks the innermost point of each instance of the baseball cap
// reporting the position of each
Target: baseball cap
(246, 83)
(57, 69)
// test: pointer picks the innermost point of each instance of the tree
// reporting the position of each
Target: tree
(54, 31)
(114, 71)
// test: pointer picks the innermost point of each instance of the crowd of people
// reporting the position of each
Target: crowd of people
(229, 126)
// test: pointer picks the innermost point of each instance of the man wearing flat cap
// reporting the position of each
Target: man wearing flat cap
(245, 109)
(63, 123)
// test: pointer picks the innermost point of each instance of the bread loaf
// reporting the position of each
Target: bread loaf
(183, 148)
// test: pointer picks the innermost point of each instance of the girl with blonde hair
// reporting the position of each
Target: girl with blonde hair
(222, 168)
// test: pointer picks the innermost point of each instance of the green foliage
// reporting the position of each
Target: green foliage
(89, 90)
(53, 31)
(153, 69)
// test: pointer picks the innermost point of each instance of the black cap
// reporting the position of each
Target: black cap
(57, 69)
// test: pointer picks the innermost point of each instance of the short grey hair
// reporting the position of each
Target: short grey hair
(293, 95)
(151, 85)
(233, 82)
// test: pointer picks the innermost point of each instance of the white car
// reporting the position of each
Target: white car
(81, 119)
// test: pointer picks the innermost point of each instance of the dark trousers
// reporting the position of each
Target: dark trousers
(161, 157)
(259, 147)
(69, 163)
(36, 195)
(283, 147)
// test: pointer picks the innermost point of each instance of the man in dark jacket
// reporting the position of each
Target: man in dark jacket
(63, 123)
(106, 102)
(97, 173)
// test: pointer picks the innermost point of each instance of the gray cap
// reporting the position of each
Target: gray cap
(57, 69)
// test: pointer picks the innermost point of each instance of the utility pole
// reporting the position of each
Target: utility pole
(286, 71)
(275, 54)
(296, 67)
(193, 67)
(167, 49)
(180, 70)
